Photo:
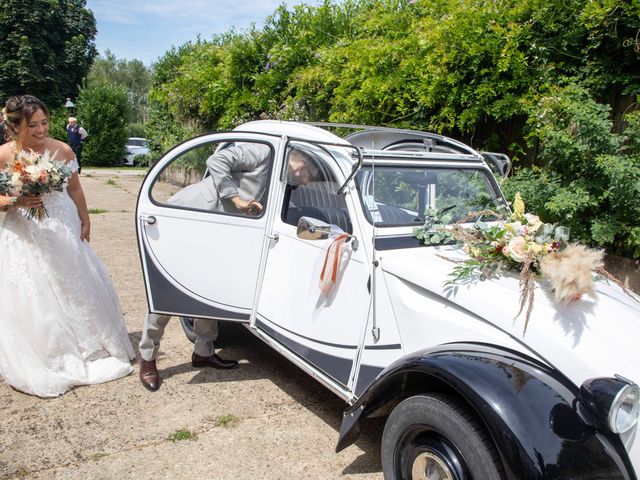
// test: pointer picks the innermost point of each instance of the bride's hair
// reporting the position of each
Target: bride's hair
(18, 111)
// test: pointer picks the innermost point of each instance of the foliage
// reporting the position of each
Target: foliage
(143, 160)
(130, 74)
(546, 81)
(135, 130)
(592, 179)
(46, 49)
(225, 421)
(162, 129)
(466, 67)
(58, 123)
(182, 434)
(103, 110)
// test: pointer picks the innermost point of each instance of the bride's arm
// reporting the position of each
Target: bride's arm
(74, 189)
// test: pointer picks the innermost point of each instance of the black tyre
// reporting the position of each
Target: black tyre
(187, 326)
(434, 437)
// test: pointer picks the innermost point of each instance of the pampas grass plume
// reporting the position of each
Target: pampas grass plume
(571, 271)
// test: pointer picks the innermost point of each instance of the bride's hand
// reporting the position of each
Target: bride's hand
(28, 201)
(6, 200)
(85, 230)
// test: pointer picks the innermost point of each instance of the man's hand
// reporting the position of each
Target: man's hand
(249, 207)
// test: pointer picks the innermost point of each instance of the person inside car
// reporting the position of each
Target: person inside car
(237, 184)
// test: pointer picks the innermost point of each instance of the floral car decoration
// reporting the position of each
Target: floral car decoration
(522, 243)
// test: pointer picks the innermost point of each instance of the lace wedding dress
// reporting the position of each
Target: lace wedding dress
(61, 323)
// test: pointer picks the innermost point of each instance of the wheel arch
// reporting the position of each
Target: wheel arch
(527, 408)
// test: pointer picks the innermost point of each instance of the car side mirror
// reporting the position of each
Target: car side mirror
(313, 229)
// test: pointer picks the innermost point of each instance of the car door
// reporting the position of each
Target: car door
(319, 331)
(197, 261)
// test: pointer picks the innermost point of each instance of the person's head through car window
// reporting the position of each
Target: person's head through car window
(302, 168)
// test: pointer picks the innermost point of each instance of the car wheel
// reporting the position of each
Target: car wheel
(434, 437)
(187, 327)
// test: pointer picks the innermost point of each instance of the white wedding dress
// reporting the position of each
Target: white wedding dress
(61, 323)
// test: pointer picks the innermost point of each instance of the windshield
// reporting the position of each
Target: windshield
(402, 195)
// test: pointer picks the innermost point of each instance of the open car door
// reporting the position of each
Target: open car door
(197, 261)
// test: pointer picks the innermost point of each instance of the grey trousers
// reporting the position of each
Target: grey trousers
(206, 332)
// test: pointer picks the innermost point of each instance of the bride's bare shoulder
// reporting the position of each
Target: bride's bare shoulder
(6, 153)
(64, 150)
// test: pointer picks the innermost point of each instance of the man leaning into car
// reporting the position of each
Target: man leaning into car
(237, 183)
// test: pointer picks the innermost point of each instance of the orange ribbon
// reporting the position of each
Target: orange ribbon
(336, 246)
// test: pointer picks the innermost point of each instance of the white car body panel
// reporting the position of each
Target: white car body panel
(576, 338)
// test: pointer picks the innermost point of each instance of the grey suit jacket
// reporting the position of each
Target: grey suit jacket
(242, 169)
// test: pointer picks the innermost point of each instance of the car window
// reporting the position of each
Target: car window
(395, 196)
(316, 196)
(210, 176)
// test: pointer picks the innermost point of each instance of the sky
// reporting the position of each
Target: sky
(146, 29)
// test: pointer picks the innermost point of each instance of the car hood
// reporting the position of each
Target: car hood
(586, 338)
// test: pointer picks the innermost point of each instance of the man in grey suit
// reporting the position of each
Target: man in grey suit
(237, 181)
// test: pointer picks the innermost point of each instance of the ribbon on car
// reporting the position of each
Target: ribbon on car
(331, 266)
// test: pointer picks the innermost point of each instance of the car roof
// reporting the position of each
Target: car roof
(377, 144)
(296, 130)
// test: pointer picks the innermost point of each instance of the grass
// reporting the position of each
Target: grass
(182, 434)
(111, 182)
(97, 456)
(22, 472)
(225, 421)
(97, 210)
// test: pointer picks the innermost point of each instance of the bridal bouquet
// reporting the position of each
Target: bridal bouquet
(523, 243)
(32, 174)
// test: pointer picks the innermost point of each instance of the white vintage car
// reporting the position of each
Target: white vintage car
(468, 393)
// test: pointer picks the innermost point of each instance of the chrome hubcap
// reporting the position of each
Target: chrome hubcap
(428, 466)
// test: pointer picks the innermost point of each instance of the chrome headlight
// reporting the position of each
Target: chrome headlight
(625, 409)
(613, 403)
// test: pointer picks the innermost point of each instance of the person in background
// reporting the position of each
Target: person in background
(76, 136)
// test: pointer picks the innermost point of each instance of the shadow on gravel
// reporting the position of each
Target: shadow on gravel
(259, 361)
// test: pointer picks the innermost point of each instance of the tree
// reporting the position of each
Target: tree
(130, 74)
(46, 49)
(103, 109)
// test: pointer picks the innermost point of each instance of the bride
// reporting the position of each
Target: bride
(60, 318)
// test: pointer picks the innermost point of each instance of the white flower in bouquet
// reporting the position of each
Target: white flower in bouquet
(517, 248)
(534, 222)
(16, 182)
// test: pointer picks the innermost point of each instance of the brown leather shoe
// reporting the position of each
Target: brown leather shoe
(213, 361)
(149, 375)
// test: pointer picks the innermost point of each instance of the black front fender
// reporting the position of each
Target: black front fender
(527, 408)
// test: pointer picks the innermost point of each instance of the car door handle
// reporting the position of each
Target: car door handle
(274, 236)
(150, 219)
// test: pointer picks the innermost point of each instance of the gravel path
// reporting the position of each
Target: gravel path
(265, 420)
